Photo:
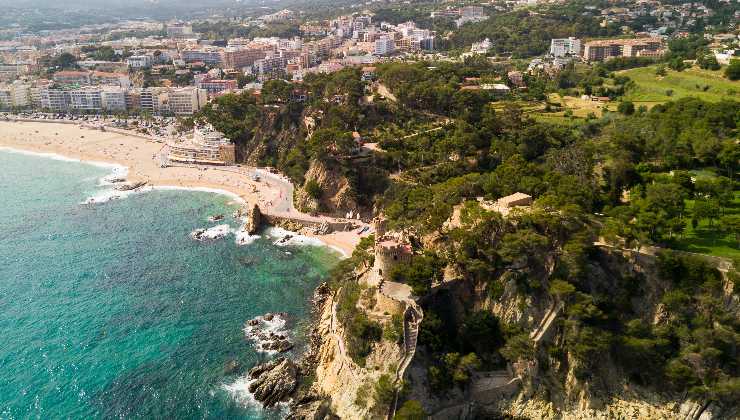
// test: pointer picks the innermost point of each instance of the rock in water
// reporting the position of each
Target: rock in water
(274, 381)
(254, 220)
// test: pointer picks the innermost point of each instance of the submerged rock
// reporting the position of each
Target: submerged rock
(274, 381)
(232, 366)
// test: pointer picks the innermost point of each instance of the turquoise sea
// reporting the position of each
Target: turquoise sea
(112, 310)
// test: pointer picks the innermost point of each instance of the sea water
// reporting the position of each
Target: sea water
(113, 310)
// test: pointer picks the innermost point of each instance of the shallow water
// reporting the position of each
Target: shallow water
(112, 310)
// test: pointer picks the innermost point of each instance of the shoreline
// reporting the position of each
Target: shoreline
(135, 157)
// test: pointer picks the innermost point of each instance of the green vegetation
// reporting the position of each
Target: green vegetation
(650, 88)
(714, 229)
(664, 176)
(419, 274)
(411, 410)
(522, 34)
(732, 71)
(362, 332)
(313, 189)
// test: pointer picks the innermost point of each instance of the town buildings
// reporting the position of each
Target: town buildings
(214, 86)
(107, 98)
(139, 62)
(384, 46)
(563, 47)
(481, 47)
(605, 49)
(179, 30)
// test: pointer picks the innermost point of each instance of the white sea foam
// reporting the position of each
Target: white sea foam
(243, 238)
(283, 237)
(213, 233)
(109, 195)
(239, 391)
(266, 332)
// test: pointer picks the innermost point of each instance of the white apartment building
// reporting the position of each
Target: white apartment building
(563, 47)
(179, 30)
(15, 95)
(270, 65)
(113, 99)
(384, 46)
(187, 101)
(481, 47)
(56, 100)
(20, 94)
(471, 14)
(87, 99)
(5, 97)
(139, 61)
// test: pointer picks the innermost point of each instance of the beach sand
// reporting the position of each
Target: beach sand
(140, 156)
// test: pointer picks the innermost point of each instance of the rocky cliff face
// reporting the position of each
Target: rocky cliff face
(340, 383)
(275, 134)
(550, 387)
(337, 195)
(273, 381)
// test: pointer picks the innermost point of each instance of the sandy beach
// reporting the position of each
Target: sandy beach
(140, 157)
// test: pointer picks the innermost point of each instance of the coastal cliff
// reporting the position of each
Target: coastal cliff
(340, 385)
(333, 194)
(550, 381)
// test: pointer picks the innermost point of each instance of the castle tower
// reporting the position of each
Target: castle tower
(380, 226)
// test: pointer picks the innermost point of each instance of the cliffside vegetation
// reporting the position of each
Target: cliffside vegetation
(665, 177)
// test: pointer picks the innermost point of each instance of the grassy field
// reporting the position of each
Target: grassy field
(706, 239)
(578, 108)
(651, 89)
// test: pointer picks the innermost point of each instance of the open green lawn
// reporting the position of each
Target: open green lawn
(708, 239)
(651, 89)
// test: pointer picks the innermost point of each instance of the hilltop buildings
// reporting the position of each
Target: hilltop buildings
(563, 47)
(605, 49)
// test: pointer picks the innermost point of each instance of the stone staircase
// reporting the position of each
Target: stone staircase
(412, 318)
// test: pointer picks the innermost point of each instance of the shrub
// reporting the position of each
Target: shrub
(393, 331)
(384, 390)
(732, 71)
(363, 332)
(313, 189)
(626, 108)
(411, 410)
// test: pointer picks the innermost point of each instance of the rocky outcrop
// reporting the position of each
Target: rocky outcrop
(337, 194)
(254, 220)
(268, 333)
(274, 381)
(129, 186)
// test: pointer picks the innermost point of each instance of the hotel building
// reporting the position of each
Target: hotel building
(207, 146)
